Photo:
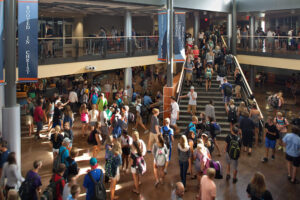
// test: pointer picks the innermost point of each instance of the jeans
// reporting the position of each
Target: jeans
(183, 170)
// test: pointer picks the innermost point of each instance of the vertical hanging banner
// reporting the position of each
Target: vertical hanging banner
(162, 32)
(28, 40)
(1, 40)
(179, 37)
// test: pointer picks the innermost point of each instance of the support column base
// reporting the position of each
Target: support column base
(12, 130)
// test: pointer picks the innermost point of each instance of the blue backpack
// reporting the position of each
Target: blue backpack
(217, 128)
(94, 99)
(117, 131)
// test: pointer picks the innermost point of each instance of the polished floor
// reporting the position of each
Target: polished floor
(275, 170)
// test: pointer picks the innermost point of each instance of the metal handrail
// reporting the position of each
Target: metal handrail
(247, 87)
(180, 83)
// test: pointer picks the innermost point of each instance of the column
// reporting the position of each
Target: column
(196, 27)
(128, 33)
(252, 31)
(11, 111)
(1, 105)
(233, 46)
(170, 31)
(276, 23)
(297, 25)
(128, 48)
(229, 30)
(252, 77)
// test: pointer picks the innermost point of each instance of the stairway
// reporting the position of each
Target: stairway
(203, 98)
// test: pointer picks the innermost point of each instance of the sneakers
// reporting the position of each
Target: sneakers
(227, 177)
(156, 184)
(146, 131)
(273, 157)
(264, 160)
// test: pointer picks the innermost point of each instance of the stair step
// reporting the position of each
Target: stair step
(219, 107)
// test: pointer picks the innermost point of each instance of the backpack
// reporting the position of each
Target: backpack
(238, 79)
(94, 99)
(232, 114)
(57, 161)
(161, 157)
(166, 136)
(222, 71)
(50, 191)
(187, 130)
(144, 110)
(227, 90)
(109, 166)
(26, 188)
(217, 166)
(141, 165)
(117, 131)
(234, 148)
(217, 128)
(99, 189)
(228, 59)
(131, 118)
(274, 101)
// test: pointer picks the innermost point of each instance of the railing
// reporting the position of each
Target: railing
(274, 46)
(71, 49)
(180, 83)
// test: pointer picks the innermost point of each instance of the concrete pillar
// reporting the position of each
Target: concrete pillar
(11, 111)
(1, 106)
(234, 34)
(252, 77)
(276, 23)
(196, 27)
(229, 30)
(297, 24)
(252, 31)
(128, 45)
(170, 32)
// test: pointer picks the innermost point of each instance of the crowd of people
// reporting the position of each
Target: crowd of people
(110, 115)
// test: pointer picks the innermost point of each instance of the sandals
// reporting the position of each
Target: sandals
(135, 192)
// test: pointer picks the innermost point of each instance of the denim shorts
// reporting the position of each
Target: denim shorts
(270, 143)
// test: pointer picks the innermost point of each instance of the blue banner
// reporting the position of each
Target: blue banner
(179, 37)
(1, 40)
(28, 40)
(162, 31)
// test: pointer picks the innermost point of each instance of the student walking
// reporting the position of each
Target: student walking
(192, 95)
(168, 136)
(126, 142)
(256, 189)
(247, 126)
(84, 117)
(271, 135)
(184, 153)
(208, 189)
(154, 129)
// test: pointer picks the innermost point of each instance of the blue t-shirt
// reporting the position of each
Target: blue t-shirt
(171, 133)
(225, 84)
(3, 158)
(292, 142)
(36, 182)
(192, 127)
(88, 183)
(147, 100)
(70, 197)
(64, 155)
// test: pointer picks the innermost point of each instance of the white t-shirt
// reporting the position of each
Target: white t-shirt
(66, 191)
(107, 88)
(192, 101)
(94, 117)
(103, 116)
(126, 141)
(175, 109)
(138, 108)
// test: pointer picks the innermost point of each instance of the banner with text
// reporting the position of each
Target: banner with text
(28, 40)
(1, 40)
(179, 37)
(162, 31)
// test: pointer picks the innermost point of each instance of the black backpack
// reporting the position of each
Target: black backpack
(166, 137)
(99, 189)
(26, 188)
(238, 79)
(50, 191)
(144, 110)
(227, 90)
(232, 114)
(222, 71)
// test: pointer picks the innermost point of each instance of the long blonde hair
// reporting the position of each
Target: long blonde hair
(258, 183)
(183, 142)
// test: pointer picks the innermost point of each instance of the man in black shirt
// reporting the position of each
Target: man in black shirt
(247, 126)
(57, 116)
(271, 134)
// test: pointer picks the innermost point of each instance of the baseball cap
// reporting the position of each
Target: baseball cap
(93, 161)
(192, 87)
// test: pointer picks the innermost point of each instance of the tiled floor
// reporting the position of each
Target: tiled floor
(274, 171)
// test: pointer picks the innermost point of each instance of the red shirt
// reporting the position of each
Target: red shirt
(196, 53)
(59, 187)
(38, 114)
